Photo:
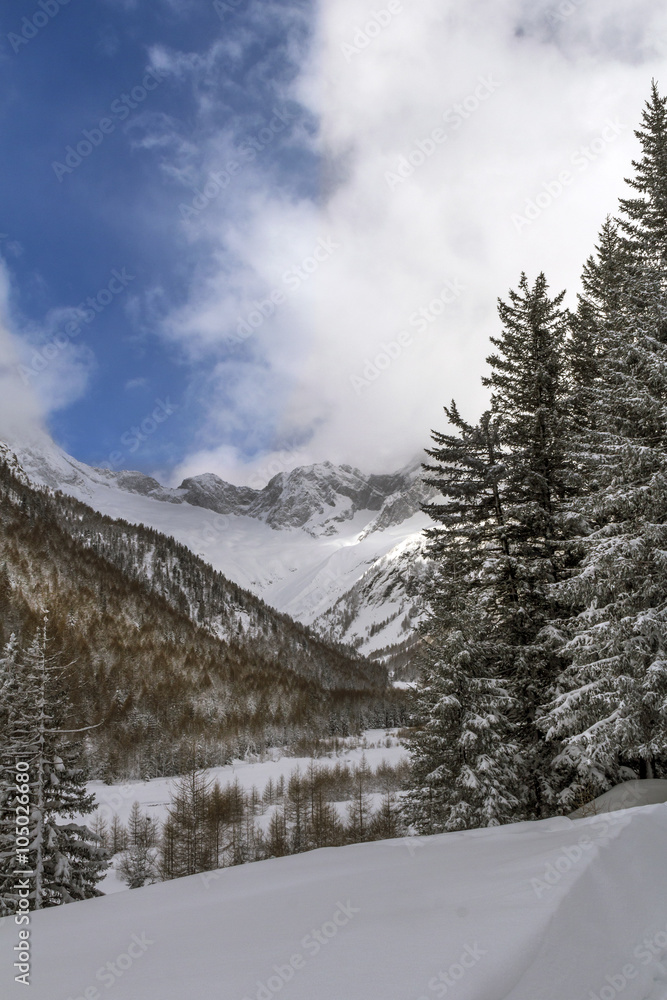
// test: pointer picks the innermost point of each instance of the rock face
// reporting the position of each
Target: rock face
(313, 497)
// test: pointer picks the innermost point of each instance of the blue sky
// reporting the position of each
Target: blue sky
(293, 219)
(69, 223)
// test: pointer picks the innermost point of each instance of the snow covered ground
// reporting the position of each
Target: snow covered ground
(557, 910)
(154, 795)
(376, 745)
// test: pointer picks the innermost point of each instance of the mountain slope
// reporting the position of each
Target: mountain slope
(166, 651)
(303, 543)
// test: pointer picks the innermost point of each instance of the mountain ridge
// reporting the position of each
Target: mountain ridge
(165, 650)
(302, 542)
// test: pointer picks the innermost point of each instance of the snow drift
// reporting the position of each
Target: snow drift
(644, 792)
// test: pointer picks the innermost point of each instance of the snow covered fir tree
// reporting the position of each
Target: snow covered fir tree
(42, 784)
(545, 644)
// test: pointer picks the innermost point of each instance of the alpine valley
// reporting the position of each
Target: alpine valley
(212, 619)
(337, 550)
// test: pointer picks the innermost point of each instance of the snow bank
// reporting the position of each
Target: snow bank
(557, 910)
(647, 792)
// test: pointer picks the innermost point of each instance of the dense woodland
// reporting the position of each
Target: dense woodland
(545, 664)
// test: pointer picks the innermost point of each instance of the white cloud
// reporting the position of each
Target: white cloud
(522, 92)
(20, 413)
(44, 369)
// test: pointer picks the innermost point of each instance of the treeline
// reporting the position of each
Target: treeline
(545, 647)
(210, 827)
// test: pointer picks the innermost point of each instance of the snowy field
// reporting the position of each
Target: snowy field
(154, 796)
(556, 910)
(376, 745)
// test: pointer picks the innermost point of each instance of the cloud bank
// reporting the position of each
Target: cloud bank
(460, 145)
(356, 186)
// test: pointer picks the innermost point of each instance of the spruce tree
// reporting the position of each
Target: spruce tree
(604, 281)
(490, 643)
(643, 217)
(465, 771)
(66, 858)
(529, 401)
(610, 704)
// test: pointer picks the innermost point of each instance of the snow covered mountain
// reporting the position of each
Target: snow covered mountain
(159, 650)
(333, 548)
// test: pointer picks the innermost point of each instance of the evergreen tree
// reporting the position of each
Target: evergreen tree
(490, 651)
(66, 858)
(604, 281)
(643, 217)
(464, 753)
(529, 401)
(138, 866)
(610, 705)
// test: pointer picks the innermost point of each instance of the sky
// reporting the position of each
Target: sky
(241, 236)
